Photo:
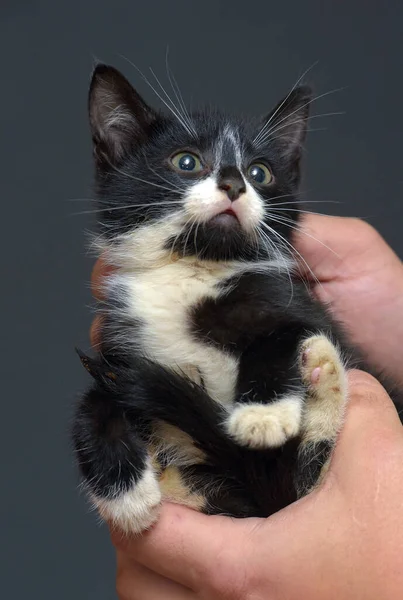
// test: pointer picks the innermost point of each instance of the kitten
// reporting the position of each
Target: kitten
(221, 383)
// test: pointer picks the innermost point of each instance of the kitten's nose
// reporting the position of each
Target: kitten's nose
(231, 181)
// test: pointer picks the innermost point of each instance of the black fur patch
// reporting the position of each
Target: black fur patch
(311, 460)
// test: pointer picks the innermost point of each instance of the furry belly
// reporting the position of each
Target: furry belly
(161, 300)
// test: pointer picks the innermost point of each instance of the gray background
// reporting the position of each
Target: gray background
(242, 55)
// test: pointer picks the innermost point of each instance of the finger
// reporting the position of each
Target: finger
(342, 246)
(101, 269)
(369, 403)
(135, 582)
(186, 546)
(323, 242)
(95, 332)
(371, 418)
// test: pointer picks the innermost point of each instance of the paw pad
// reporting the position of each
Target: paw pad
(315, 375)
(321, 366)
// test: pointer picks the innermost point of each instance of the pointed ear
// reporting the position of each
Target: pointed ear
(287, 122)
(119, 117)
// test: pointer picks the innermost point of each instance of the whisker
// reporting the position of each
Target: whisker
(80, 200)
(294, 250)
(297, 210)
(305, 202)
(257, 243)
(300, 108)
(280, 196)
(170, 108)
(279, 108)
(287, 222)
(177, 92)
(162, 187)
(195, 236)
(290, 139)
(309, 212)
(275, 129)
(272, 247)
(188, 235)
(126, 206)
(285, 263)
(181, 230)
(181, 190)
(174, 109)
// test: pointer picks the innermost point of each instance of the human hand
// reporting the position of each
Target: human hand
(361, 278)
(345, 540)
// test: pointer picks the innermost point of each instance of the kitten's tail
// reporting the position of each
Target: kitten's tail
(147, 391)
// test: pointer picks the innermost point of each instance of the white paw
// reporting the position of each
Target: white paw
(266, 425)
(322, 367)
(135, 510)
(325, 376)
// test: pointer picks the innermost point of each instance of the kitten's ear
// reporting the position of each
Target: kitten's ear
(119, 117)
(288, 121)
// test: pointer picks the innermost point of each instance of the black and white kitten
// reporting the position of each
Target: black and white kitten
(221, 382)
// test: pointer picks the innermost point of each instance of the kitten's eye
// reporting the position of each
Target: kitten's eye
(260, 173)
(188, 162)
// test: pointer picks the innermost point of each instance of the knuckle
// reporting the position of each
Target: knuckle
(364, 396)
(363, 230)
(128, 586)
(365, 390)
(370, 403)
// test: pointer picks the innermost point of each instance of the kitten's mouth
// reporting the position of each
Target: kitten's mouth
(227, 218)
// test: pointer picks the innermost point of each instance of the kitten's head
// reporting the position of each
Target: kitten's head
(201, 184)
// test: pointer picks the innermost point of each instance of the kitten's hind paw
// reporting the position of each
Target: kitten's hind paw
(135, 510)
(324, 375)
(266, 425)
(322, 369)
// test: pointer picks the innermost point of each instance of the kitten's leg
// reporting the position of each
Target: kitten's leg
(270, 425)
(324, 375)
(117, 472)
(270, 400)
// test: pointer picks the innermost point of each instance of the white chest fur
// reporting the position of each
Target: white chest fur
(163, 298)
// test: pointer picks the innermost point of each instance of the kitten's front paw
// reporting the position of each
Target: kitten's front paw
(266, 425)
(137, 509)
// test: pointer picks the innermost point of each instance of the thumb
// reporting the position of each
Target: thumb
(371, 417)
(186, 546)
